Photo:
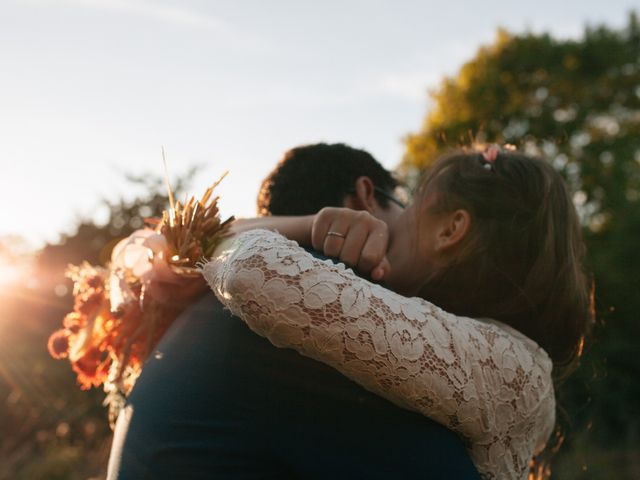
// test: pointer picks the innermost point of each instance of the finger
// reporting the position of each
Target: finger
(161, 271)
(335, 237)
(353, 243)
(374, 249)
(381, 270)
(337, 229)
(321, 225)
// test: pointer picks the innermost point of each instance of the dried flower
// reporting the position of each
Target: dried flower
(120, 312)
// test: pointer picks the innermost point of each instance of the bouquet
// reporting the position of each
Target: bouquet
(122, 310)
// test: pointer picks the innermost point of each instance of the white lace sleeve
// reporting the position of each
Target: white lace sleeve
(479, 378)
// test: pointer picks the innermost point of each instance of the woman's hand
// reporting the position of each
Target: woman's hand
(171, 289)
(355, 237)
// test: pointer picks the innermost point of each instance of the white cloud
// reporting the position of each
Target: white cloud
(144, 8)
(406, 85)
(166, 13)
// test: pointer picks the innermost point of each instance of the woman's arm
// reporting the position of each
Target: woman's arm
(481, 380)
(356, 238)
(296, 228)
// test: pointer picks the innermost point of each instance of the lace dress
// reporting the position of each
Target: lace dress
(480, 378)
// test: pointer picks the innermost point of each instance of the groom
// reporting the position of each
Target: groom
(217, 401)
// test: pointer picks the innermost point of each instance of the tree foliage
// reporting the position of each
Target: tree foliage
(577, 103)
(53, 429)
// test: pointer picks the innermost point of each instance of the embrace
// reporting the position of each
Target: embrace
(416, 341)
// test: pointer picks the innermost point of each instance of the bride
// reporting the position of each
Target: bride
(484, 299)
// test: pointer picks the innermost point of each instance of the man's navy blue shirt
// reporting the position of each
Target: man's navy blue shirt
(217, 401)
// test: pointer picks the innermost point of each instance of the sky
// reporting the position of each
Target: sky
(93, 89)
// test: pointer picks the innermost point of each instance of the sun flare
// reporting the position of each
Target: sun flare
(10, 272)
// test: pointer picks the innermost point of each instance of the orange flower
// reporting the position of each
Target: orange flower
(92, 368)
(74, 322)
(88, 301)
(59, 344)
(95, 281)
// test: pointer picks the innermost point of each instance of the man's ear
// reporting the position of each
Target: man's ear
(364, 197)
(452, 229)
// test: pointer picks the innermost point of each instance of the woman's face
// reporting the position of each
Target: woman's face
(412, 249)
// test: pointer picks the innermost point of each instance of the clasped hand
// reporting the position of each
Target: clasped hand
(355, 237)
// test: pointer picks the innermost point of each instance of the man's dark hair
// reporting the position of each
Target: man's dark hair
(312, 177)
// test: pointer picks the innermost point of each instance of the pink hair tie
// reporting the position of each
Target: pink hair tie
(491, 153)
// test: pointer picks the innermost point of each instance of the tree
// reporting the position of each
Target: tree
(577, 103)
(53, 430)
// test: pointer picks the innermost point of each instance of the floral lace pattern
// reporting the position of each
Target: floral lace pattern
(480, 378)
